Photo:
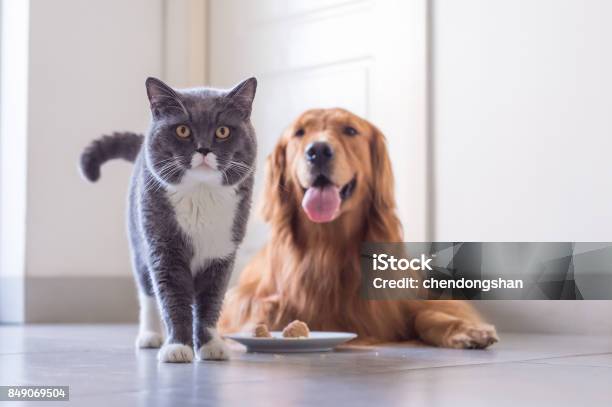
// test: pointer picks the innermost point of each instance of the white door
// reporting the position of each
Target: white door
(366, 56)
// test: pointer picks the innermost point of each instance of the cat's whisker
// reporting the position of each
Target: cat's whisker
(148, 183)
(160, 184)
(169, 167)
(151, 183)
(160, 173)
(165, 163)
(236, 163)
(243, 167)
(241, 172)
(170, 174)
(239, 168)
(170, 171)
(236, 170)
(225, 176)
(166, 168)
(152, 178)
(165, 160)
(172, 168)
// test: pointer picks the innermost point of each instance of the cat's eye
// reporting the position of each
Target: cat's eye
(349, 131)
(299, 132)
(222, 132)
(183, 131)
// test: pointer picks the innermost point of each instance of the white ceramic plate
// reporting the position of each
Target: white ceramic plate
(316, 342)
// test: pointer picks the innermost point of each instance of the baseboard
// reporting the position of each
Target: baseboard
(12, 300)
(80, 300)
(589, 317)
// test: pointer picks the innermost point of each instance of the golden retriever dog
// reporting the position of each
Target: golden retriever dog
(329, 187)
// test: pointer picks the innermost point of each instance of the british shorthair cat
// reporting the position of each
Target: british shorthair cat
(189, 201)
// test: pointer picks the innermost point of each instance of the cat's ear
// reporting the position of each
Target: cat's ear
(242, 95)
(163, 99)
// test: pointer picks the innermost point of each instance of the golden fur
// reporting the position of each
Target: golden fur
(310, 271)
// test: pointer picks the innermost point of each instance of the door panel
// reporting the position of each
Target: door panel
(365, 56)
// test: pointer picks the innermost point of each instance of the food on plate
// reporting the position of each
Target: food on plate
(261, 331)
(296, 329)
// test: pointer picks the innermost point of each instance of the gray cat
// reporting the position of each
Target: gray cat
(189, 201)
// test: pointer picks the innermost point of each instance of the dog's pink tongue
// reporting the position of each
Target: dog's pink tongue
(321, 204)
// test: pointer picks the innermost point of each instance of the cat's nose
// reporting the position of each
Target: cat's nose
(203, 151)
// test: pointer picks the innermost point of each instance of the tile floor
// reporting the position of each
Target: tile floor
(101, 367)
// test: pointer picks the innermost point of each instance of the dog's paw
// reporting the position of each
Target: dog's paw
(472, 336)
(175, 353)
(149, 339)
(215, 349)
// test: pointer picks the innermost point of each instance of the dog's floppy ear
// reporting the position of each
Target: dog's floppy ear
(383, 223)
(275, 190)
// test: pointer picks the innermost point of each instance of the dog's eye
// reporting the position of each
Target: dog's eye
(349, 131)
(299, 133)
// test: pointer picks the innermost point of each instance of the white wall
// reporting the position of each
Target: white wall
(522, 126)
(523, 120)
(88, 63)
(185, 39)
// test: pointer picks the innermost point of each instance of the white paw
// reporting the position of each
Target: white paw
(215, 349)
(175, 353)
(149, 339)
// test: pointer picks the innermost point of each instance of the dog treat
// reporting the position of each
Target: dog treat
(296, 329)
(261, 331)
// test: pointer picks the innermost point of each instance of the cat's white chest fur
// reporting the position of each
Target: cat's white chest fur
(206, 216)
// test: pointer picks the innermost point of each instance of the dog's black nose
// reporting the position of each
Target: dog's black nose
(203, 151)
(319, 153)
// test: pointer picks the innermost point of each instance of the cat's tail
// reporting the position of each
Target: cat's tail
(118, 145)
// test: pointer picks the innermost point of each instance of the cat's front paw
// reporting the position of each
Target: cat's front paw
(149, 339)
(215, 349)
(175, 353)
